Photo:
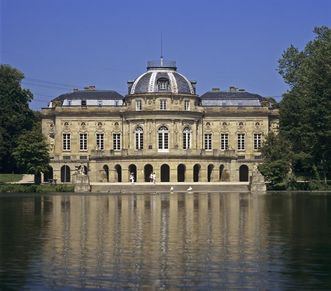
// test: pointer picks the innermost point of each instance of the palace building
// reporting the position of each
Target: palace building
(161, 126)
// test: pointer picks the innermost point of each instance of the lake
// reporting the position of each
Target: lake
(165, 241)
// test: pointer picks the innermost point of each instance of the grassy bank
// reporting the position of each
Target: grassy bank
(6, 178)
(32, 188)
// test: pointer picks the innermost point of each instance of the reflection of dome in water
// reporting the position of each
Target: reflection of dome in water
(162, 77)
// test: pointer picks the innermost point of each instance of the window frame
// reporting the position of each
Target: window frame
(139, 105)
(163, 104)
(187, 105)
(257, 141)
(162, 84)
(241, 142)
(139, 138)
(100, 142)
(66, 142)
(83, 142)
(224, 141)
(187, 138)
(208, 141)
(116, 141)
(163, 139)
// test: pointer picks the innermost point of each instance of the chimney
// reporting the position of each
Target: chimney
(232, 89)
(90, 88)
(130, 83)
(215, 89)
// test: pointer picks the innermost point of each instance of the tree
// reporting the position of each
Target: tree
(277, 161)
(305, 110)
(31, 153)
(15, 115)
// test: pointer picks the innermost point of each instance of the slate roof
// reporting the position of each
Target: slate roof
(223, 98)
(148, 81)
(90, 95)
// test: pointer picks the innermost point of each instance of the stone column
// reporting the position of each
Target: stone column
(203, 173)
(173, 172)
(234, 172)
(112, 175)
(189, 172)
(140, 173)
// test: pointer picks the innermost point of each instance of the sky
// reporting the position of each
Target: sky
(65, 44)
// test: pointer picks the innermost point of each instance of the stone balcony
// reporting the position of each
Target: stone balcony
(154, 153)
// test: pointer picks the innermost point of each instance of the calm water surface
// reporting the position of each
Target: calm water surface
(161, 241)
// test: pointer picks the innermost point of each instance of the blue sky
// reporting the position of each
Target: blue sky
(64, 44)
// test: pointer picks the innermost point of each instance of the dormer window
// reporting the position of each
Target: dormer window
(162, 84)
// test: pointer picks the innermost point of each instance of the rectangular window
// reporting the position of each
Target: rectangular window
(69, 102)
(257, 141)
(187, 105)
(163, 104)
(83, 102)
(186, 140)
(100, 103)
(208, 141)
(224, 141)
(83, 142)
(138, 105)
(116, 103)
(163, 141)
(139, 140)
(66, 142)
(100, 141)
(241, 141)
(116, 141)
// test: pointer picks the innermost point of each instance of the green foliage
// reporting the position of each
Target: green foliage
(31, 153)
(32, 188)
(5, 178)
(276, 165)
(305, 111)
(15, 115)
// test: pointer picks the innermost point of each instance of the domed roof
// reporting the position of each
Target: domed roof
(161, 77)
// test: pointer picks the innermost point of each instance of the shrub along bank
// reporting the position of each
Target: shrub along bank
(33, 188)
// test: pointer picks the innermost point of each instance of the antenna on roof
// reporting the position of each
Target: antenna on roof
(161, 51)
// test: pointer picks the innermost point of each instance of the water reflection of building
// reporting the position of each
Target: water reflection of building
(129, 237)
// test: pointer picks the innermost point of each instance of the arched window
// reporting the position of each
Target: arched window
(186, 138)
(139, 138)
(162, 84)
(163, 138)
(65, 174)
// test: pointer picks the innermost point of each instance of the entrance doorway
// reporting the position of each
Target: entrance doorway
(65, 174)
(165, 173)
(243, 173)
(210, 173)
(181, 173)
(196, 173)
(133, 171)
(118, 173)
(148, 170)
(106, 173)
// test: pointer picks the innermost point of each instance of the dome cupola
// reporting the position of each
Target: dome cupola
(162, 77)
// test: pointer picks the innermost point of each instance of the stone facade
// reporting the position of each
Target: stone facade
(161, 130)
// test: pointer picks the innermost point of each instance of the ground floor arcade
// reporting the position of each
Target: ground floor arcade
(165, 171)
